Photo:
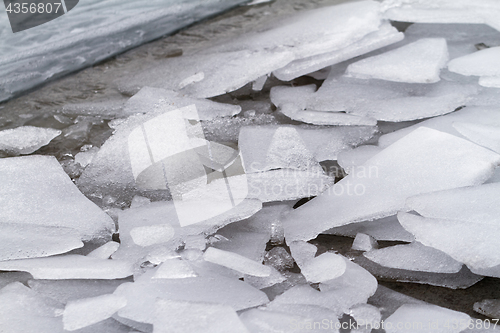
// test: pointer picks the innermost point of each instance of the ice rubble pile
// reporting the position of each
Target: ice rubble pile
(218, 239)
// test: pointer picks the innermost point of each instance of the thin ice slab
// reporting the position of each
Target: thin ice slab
(26, 139)
(417, 62)
(21, 241)
(386, 35)
(70, 267)
(470, 242)
(236, 262)
(443, 11)
(377, 192)
(485, 62)
(36, 190)
(414, 257)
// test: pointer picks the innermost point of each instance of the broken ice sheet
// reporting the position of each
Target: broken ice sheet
(323, 142)
(105, 251)
(324, 267)
(148, 98)
(443, 11)
(85, 312)
(489, 116)
(315, 31)
(20, 241)
(349, 159)
(419, 318)
(470, 227)
(36, 191)
(384, 229)
(414, 257)
(70, 267)
(236, 262)
(26, 139)
(237, 238)
(490, 81)
(175, 268)
(389, 101)
(364, 242)
(377, 193)
(142, 293)
(417, 62)
(386, 35)
(223, 72)
(195, 317)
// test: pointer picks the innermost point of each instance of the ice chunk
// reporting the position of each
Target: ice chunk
(323, 142)
(443, 11)
(461, 38)
(196, 317)
(417, 62)
(64, 291)
(485, 62)
(413, 318)
(483, 135)
(141, 295)
(174, 269)
(85, 312)
(377, 192)
(365, 315)
(490, 81)
(267, 281)
(472, 243)
(384, 229)
(364, 242)
(236, 262)
(258, 84)
(414, 257)
(223, 72)
(20, 241)
(70, 267)
(240, 239)
(355, 286)
(147, 99)
(23, 310)
(324, 267)
(27, 197)
(489, 116)
(302, 252)
(26, 139)
(105, 251)
(386, 35)
(385, 100)
(488, 307)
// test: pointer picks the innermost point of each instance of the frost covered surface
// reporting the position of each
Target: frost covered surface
(25, 64)
(264, 182)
